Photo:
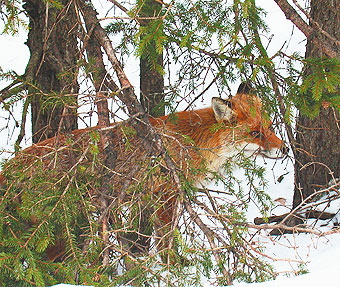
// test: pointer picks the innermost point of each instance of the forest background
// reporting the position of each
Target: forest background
(172, 39)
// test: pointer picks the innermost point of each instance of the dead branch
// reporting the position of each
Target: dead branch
(310, 214)
(292, 229)
(316, 24)
(306, 29)
(302, 211)
(210, 235)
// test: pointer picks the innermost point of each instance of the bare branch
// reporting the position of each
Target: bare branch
(210, 236)
(23, 123)
(306, 29)
(293, 228)
(316, 24)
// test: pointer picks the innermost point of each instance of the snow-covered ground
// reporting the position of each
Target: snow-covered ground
(299, 259)
(324, 265)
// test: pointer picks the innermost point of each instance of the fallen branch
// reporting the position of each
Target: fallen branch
(292, 229)
(309, 214)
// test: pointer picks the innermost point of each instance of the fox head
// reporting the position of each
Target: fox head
(249, 127)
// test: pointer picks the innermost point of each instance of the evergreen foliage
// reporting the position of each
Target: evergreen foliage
(10, 12)
(57, 198)
(320, 87)
(41, 207)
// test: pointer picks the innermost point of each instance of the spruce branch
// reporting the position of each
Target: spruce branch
(151, 138)
(56, 205)
(210, 235)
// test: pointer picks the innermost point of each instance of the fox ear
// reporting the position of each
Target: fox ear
(244, 88)
(222, 109)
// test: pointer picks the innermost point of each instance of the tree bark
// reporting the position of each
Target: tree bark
(317, 158)
(151, 96)
(327, 46)
(151, 81)
(97, 68)
(52, 69)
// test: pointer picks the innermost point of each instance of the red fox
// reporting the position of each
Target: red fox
(200, 138)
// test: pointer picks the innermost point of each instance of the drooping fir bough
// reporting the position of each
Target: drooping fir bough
(53, 188)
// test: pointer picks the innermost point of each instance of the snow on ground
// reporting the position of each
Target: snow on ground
(300, 259)
(296, 254)
(324, 265)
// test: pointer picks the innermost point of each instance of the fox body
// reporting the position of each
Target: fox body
(199, 141)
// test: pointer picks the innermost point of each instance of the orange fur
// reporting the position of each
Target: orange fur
(215, 141)
(212, 135)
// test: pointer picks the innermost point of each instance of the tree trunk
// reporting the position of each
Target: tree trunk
(52, 69)
(152, 97)
(151, 81)
(152, 87)
(317, 159)
(97, 68)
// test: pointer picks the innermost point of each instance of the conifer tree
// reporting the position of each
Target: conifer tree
(51, 73)
(317, 162)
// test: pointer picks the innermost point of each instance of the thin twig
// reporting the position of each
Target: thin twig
(306, 29)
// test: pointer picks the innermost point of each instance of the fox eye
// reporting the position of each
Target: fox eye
(255, 134)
